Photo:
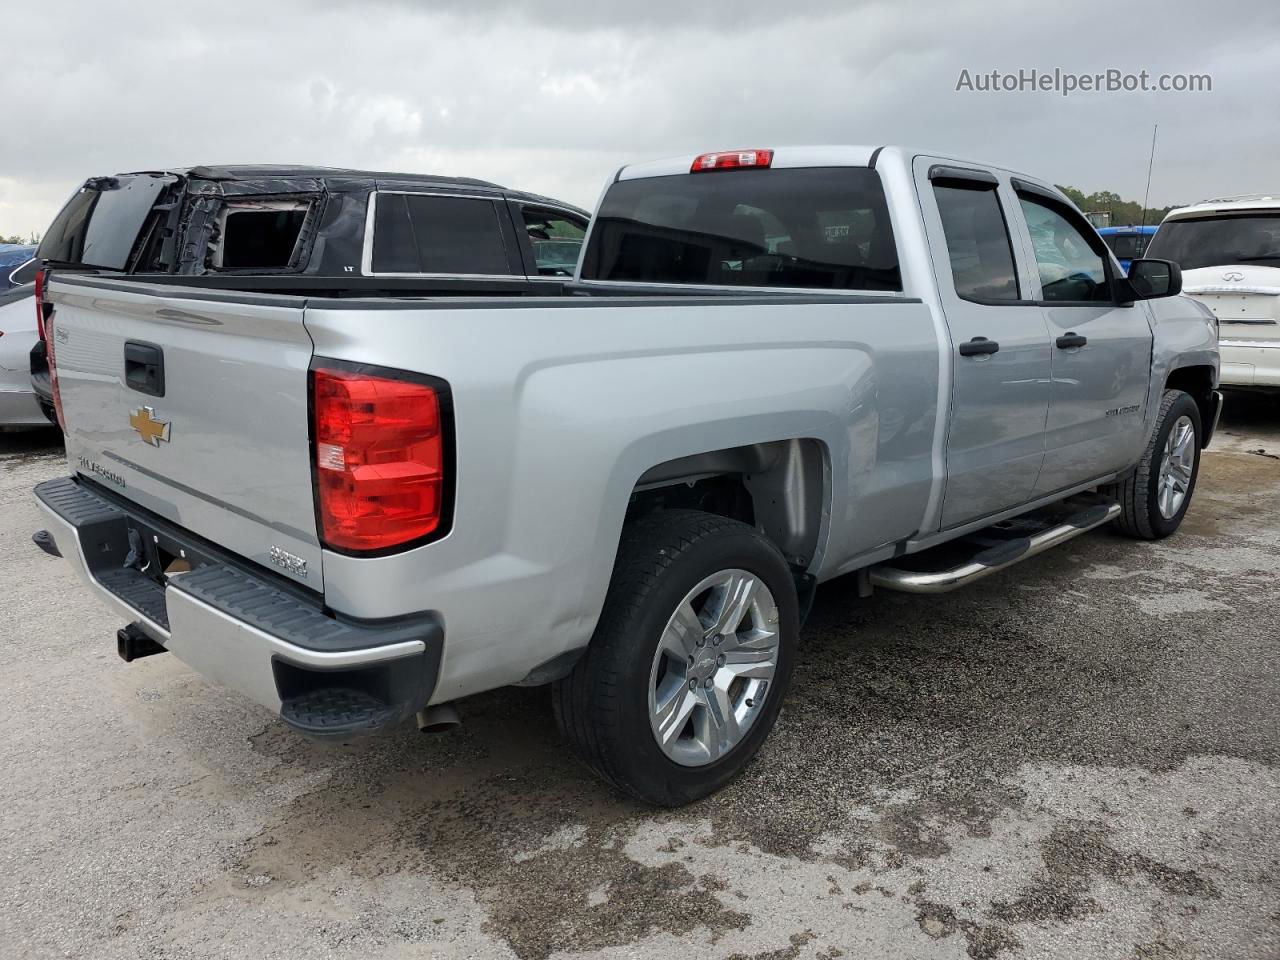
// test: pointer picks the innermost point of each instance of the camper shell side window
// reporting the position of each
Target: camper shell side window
(262, 234)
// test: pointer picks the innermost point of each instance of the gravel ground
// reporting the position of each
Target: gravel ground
(1076, 758)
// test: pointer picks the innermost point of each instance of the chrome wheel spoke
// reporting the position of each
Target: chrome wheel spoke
(720, 723)
(739, 590)
(671, 716)
(750, 663)
(680, 639)
(762, 636)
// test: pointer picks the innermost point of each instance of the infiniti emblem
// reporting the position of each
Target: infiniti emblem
(1233, 275)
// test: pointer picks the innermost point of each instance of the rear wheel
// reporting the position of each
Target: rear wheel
(1155, 498)
(687, 667)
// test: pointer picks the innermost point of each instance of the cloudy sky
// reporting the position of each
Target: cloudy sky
(553, 96)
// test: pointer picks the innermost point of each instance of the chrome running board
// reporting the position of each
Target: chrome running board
(988, 551)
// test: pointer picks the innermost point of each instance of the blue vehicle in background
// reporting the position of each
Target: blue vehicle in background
(14, 257)
(1127, 243)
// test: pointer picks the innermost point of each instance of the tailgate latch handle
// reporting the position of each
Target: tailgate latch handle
(144, 368)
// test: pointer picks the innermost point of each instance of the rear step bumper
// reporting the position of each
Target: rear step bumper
(326, 676)
(1083, 515)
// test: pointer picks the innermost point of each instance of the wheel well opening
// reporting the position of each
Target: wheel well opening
(725, 496)
(779, 488)
(1198, 382)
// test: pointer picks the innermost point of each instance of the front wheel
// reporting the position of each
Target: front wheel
(1155, 498)
(686, 670)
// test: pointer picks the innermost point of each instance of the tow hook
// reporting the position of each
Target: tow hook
(133, 643)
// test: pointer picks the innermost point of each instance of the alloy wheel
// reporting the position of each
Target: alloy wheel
(713, 668)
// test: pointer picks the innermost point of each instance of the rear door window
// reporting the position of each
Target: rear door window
(99, 226)
(978, 244)
(431, 234)
(813, 228)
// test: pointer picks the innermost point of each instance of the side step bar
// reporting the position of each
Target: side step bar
(997, 557)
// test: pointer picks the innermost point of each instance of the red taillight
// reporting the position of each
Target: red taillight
(379, 459)
(40, 280)
(44, 323)
(732, 160)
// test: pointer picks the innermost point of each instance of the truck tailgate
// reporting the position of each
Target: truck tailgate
(210, 430)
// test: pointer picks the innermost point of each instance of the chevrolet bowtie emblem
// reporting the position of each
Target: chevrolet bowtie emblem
(151, 430)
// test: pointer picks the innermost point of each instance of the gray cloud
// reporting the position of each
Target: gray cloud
(553, 96)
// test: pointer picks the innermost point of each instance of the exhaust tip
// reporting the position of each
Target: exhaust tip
(438, 719)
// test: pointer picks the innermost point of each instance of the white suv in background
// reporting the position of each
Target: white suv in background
(1229, 251)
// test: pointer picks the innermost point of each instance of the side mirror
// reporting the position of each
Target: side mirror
(1151, 279)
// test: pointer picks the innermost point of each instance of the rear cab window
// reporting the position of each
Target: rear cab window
(419, 234)
(822, 228)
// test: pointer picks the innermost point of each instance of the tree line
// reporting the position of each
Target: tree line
(1123, 212)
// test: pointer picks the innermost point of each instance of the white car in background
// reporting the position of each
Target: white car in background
(1229, 251)
(19, 406)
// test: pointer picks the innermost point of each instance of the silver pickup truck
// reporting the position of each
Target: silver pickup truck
(774, 367)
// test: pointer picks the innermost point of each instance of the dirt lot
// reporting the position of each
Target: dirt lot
(1077, 758)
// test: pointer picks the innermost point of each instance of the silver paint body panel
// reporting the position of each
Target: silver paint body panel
(236, 468)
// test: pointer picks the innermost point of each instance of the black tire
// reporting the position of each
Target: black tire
(1137, 494)
(602, 707)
